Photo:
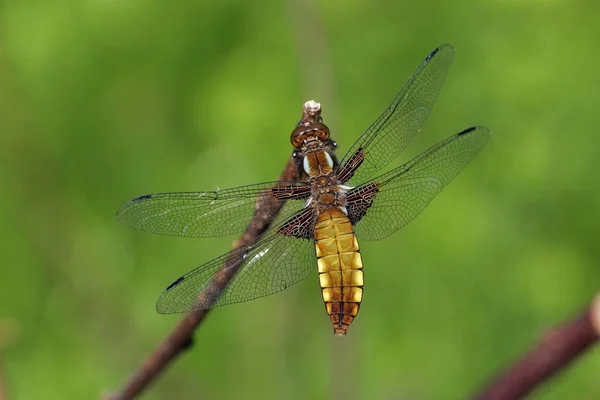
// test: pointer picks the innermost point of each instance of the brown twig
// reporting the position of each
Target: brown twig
(555, 351)
(181, 337)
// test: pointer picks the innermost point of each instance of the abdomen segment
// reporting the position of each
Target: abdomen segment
(340, 267)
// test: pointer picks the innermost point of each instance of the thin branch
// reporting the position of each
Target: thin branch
(181, 337)
(555, 351)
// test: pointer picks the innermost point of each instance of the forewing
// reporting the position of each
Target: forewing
(273, 264)
(389, 135)
(390, 201)
(212, 213)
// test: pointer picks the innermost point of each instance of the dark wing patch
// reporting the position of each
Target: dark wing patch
(360, 200)
(300, 225)
(349, 168)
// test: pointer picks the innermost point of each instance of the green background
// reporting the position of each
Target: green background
(101, 101)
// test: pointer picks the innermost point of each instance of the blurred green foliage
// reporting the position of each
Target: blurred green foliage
(102, 101)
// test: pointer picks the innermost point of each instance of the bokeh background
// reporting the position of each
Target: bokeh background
(101, 101)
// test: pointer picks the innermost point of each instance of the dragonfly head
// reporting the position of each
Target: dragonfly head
(311, 127)
(309, 136)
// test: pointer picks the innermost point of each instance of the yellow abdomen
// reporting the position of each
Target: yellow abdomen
(340, 267)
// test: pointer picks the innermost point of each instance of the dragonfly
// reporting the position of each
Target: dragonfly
(326, 209)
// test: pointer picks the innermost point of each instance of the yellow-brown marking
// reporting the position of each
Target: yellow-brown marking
(318, 163)
(340, 267)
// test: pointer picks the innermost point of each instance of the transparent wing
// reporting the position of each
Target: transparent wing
(273, 264)
(390, 201)
(212, 213)
(389, 135)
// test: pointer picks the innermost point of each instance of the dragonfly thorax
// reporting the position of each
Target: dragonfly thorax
(317, 163)
(333, 196)
(326, 191)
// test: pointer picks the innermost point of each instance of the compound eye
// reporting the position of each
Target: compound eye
(321, 131)
(323, 135)
(297, 138)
